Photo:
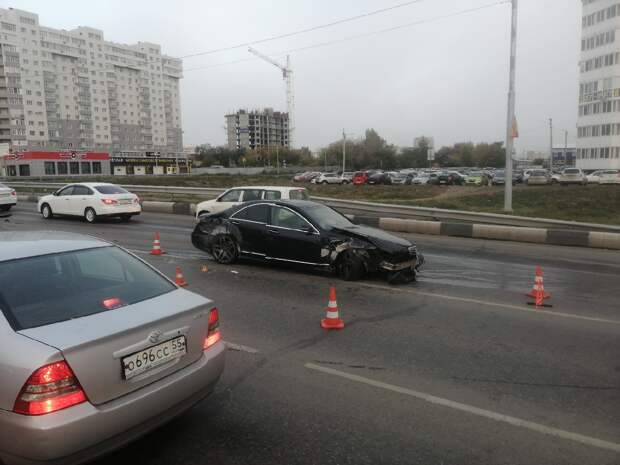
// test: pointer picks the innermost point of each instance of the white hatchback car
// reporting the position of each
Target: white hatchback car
(90, 200)
(237, 195)
(8, 198)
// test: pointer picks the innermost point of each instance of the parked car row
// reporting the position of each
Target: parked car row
(468, 177)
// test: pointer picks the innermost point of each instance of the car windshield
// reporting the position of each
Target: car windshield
(51, 288)
(111, 189)
(571, 171)
(327, 218)
(538, 173)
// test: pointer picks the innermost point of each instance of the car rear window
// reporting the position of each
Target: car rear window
(273, 195)
(111, 190)
(48, 289)
(299, 194)
(571, 171)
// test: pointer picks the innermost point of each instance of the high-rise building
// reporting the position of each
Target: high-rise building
(598, 127)
(73, 90)
(257, 129)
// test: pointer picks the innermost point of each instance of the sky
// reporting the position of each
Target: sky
(446, 78)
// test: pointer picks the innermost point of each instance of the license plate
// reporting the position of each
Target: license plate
(125, 201)
(147, 359)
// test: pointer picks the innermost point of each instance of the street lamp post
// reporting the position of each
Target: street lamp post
(511, 120)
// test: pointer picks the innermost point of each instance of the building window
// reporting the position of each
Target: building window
(96, 167)
(62, 167)
(10, 170)
(74, 167)
(24, 170)
(50, 168)
(85, 167)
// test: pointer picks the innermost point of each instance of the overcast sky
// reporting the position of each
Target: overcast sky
(446, 78)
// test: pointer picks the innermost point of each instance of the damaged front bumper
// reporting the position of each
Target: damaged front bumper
(414, 263)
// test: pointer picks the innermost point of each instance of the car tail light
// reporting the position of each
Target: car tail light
(14, 194)
(51, 388)
(136, 200)
(109, 201)
(213, 334)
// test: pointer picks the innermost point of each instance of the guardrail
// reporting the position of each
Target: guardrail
(361, 208)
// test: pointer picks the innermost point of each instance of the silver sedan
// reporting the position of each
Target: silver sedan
(96, 348)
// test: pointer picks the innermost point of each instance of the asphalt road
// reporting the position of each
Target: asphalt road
(453, 369)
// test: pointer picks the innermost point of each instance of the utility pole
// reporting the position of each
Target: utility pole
(551, 144)
(277, 159)
(344, 150)
(325, 156)
(511, 119)
(565, 146)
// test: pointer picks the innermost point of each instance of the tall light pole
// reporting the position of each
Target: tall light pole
(551, 144)
(511, 119)
(344, 150)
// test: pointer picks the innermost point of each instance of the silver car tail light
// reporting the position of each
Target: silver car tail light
(51, 388)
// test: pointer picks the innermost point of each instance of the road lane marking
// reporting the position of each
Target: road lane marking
(547, 430)
(241, 348)
(490, 304)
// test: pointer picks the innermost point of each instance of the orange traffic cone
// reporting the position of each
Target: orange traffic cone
(538, 291)
(157, 250)
(332, 319)
(179, 279)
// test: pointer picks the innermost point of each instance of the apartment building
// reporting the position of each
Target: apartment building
(257, 129)
(74, 91)
(598, 126)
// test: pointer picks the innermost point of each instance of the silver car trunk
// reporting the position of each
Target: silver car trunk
(95, 345)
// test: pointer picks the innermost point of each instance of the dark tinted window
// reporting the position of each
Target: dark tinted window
(286, 218)
(43, 290)
(96, 167)
(82, 190)
(259, 213)
(62, 167)
(74, 167)
(273, 195)
(230, 196)
(66, 191)
(252, 194)
(111, 190)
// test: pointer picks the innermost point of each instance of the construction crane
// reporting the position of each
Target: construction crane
(287, 74)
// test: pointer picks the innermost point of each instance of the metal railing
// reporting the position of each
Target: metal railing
(372, 209)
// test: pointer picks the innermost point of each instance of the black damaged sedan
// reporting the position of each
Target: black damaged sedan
(306, 233)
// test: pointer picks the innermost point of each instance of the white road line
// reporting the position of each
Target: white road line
(241, 348)
(547, 430)
(491, 304)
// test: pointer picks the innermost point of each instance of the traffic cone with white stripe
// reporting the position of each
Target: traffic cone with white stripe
(157, 250)
(179, 279)
(332, 318)
(538, 291)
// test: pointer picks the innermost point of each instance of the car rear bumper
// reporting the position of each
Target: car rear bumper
(116, 210)
(84, 432)
(4, 202)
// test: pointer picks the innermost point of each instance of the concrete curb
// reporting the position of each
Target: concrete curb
(593, 239)
(504, 233)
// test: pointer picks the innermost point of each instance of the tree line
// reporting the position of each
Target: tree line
(368, 152)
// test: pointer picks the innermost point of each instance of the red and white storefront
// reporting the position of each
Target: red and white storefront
(69, 163)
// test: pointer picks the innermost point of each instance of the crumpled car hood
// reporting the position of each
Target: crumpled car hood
(379, 238)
